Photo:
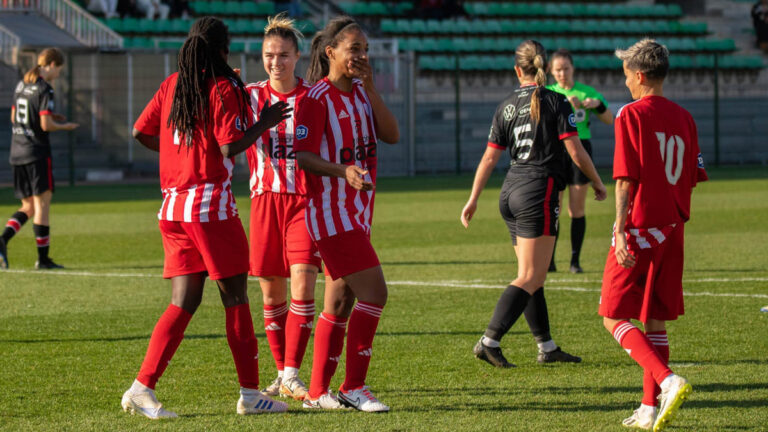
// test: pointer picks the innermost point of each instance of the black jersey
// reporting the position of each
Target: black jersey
(535, 147)
(30, 142)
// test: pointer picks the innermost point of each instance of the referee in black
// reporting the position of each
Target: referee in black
(538, 128)
(33, 117)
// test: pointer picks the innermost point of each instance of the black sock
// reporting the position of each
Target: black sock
(508, 309)
(13, 225)
(538, 317)
(42, 233)
(578, 228)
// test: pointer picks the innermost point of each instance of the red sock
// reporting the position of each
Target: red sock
(166, 337)
(298, 328)
(651, 390)
(274, 325)
(329, 341)
(362, 328)
(243, 344)
(641, 350)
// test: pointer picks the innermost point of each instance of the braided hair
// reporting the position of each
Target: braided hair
(331, 35)
(200, 59)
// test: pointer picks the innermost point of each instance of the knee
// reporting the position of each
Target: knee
(341, 307)
(609, 324)
(187, 302)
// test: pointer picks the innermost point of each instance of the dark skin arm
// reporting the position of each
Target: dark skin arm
(353, 174)
(151, 142)
(270, 116)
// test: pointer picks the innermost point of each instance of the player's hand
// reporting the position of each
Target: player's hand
(360, 68)
(273, 114)
(466, 214)
(355, 176)
(237, 71)
(590, 103)
(70, 126)
(623, 256)
(600, 192)
(575, 101)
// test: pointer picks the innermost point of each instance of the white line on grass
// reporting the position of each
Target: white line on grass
(443, 283)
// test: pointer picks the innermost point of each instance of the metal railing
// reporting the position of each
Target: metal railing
(71, 18)
(9, 47)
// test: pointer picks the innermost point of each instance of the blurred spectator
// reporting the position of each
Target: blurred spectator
(439, 9)
(179, 8)
(127, 8)
(293, 7)
(760, 20)
(108, 8)
(153, 9)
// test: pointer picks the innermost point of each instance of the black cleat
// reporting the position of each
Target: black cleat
(557, 355)
(47, 264)
(575, 268)
(3, 255)
(493, 356)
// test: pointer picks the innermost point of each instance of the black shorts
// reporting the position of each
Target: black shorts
(33, 178)
(530, 207)
(575, 176)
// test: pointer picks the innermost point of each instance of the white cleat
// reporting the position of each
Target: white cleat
(254, 402)
(274, 388)
(294, 388)
(325, 401)
(642, 418)
(145, 403)
(363, 400)
(673, 394)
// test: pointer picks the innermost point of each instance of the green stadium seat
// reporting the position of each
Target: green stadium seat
(388, 26)
(402, 8)
(265, 8)
(248, 8)
(181, 25)
(130, 25)
(306, 26)
(680, 62)
(166, 44)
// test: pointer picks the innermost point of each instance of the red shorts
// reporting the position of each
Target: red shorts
(346, 253)
(219, 248)
(652, 289)
(279, 235)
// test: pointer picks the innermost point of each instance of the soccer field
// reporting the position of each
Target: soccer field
(72, 341)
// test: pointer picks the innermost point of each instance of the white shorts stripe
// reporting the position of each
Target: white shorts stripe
(189, 204)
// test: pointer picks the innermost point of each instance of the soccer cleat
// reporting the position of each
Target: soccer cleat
(552, 267)
(325, 401)
(557, 355)
(671, 398)
(491, 355)
(764, 309)
(274, 388)
(144, 402)
(640, 419)
(255, 402)
(362, 400)
(3, 254)
(575, 268)
(294, 388)
(47, 264)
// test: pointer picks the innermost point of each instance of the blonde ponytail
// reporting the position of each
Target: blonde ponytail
(46, 57)
(531, 58)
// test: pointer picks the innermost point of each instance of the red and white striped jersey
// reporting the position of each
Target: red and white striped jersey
(196, 181)
(339, 127)
(272, 160)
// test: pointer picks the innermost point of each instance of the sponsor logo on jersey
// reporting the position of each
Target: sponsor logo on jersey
(301, 132)
(509, 112)
(525, 110)
(701, 161)
(572, 120)
(343, 115)
(306, 325)
(238, 124)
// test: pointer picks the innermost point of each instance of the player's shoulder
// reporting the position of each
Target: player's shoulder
(256, 85)
(319, 90)
(627, 108)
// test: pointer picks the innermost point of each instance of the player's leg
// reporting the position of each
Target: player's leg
(644, 416)
(552, 267)
(274, 290)
(186, 295)
(298, 328)
(14, 224)
(537, 316)
(329, 342)
(41, 227)
(577, 198)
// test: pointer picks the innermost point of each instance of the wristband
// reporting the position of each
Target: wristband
(601, 108)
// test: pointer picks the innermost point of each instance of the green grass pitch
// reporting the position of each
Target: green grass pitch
(72, 341)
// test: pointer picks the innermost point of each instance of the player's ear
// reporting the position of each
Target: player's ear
(641, 78)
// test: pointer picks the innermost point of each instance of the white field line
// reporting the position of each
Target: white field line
(444, 283)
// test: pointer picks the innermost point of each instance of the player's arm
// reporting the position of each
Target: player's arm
(600, 109)
(582, 160)
(13, 114)
(386, 124)
(624, 187)
(270, 116)
(151, 142)
(484, 170)
(48, 124)
(353, 174)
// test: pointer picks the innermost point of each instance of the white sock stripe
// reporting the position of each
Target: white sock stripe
(621, 330)
(303, 313)
(275, 312)
(370, 310)
(303, 308)
(337, 324)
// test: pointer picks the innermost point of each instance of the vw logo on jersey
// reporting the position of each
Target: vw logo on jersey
(301, 132)
(701, 161)
(509, 112)
(238, 124)
(581, 115)
(572, 120)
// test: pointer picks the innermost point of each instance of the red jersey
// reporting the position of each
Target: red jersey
(339, 127)
(657, 146)
(196, 181)
(272, 160)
